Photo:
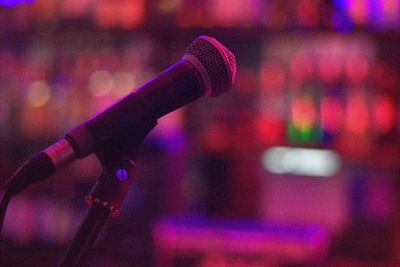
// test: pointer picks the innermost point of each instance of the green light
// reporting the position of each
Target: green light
(304, 135)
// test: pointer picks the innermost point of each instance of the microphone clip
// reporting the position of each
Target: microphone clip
(111, 188)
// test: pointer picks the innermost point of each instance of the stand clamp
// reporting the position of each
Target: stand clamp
(110, 190)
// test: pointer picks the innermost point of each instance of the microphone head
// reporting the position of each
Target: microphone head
(215, 62)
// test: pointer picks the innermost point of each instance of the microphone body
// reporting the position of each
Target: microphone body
(207, 68)
(177, 86)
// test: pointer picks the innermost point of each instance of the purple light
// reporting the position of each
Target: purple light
(292, 241)
(374, 14)
(122, 175)
(11, 3)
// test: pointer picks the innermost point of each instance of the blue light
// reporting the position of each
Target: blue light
(342, 22)
(342, 3)
(340, 18)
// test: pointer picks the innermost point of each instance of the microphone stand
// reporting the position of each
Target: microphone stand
(108, 193)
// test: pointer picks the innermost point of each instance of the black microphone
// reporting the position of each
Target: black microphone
(207, 68)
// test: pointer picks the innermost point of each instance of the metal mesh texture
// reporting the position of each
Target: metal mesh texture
(218, 61)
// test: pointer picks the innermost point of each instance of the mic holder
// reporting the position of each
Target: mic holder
(110, 191)
(106, 197)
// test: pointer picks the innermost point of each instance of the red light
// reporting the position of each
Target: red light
(357, 116)
(385, 75)
(275, 16)
(273, 76)
(270, 129)
(217, 137)
(384, 114)
(308, 12)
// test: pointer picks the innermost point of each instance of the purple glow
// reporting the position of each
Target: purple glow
(291, 241)
(385, 14)
(122, 175)
(376, 14)
(11, 3)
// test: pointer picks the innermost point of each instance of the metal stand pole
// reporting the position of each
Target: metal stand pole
(105, 199)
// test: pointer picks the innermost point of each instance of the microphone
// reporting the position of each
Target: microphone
(207, 68)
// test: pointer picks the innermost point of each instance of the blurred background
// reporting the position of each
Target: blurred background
(298, 165)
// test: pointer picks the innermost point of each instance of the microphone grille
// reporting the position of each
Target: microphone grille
(215, 62)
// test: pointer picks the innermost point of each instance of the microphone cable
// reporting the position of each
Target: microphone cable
(3, 209)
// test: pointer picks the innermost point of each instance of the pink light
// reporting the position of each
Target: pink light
(390, 6)
(331, 113)
(358, 10)
(390, 13)
(302, 66)
(330, 68)
(123, 13)
(236, 12)
(357, 68)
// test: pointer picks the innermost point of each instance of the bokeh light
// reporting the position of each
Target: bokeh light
(100, 83)
(123, 83)
(38, 94)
